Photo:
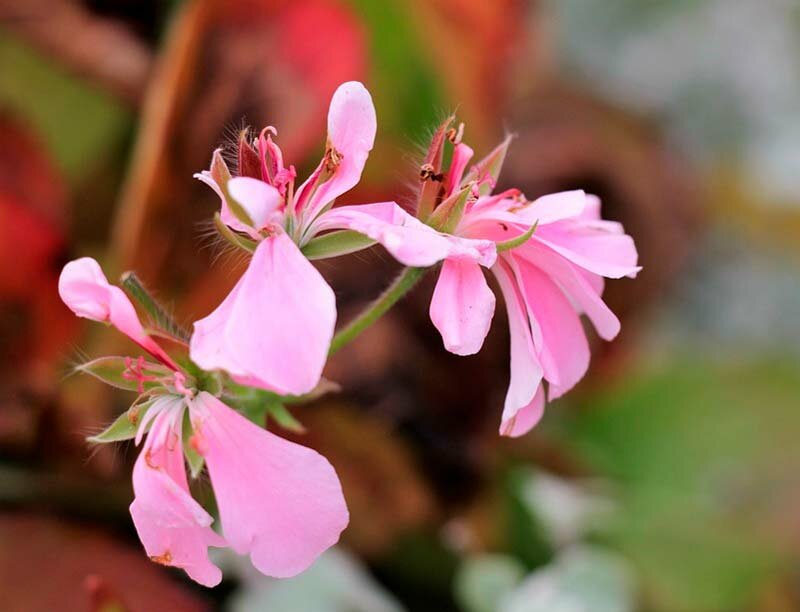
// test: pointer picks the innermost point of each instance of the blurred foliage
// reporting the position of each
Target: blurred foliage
(79, 123)
(702, 455)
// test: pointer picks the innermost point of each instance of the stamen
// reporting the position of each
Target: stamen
(134, 371)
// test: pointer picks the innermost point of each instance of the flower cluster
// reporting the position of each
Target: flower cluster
(269, 339)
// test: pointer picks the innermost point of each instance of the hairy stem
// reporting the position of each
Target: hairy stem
(158, 315)
(399, 287)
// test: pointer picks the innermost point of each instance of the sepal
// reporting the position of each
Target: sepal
(125, 427)
(335, 244)
(449, 213)
(486, 172)
(128, 373)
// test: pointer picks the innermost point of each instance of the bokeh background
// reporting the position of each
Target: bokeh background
(669, 481)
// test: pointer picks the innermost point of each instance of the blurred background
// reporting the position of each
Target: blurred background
(669, 481)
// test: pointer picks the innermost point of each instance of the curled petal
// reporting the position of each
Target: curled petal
(218, 177)
(174, 529)
(562, 345)
(462, 306)
(351, 133)
(554, 207)
(260, 200)
(409, 240)
(275, 327)
(85, 290)
(526, 417)
(582, 292)
(279, 502)
(526, 371)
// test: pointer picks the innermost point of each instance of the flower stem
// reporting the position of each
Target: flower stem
(401, 285)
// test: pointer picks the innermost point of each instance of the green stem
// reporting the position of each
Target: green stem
(163, 321)
(401, 285)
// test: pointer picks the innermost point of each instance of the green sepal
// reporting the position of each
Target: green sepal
(449, 213)
(518, 241)
(193, 458)
(490, 165)
(335, 244)
(110, 370)
(281, 415)
(221, 175)
(237, 240)
(124, 427)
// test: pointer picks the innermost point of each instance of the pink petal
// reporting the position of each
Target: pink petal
(174, 529)
(526, 371)
(563, 348)
(274, 329)
(574, 284)
(526, 418)
(279, 502)
(462, 306)
(85, 290)
(461, 156)
(598, 246)
(217, 178)
(409, 240)
(554, 207)
(351, 132)
(259, 199)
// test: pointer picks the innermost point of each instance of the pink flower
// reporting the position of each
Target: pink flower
(85, 290)
(547, 282)
(279, 502)
(274, 329)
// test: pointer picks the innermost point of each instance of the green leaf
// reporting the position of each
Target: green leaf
(336, 243)
(448, 214)
(124, 427)
(119, 372)
(518, 241)
(193, 458)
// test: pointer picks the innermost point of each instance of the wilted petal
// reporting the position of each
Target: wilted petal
(563, 349)
(462, 306)
(174, 529)
(274, 329)
(409, 240)
(351, 133)
(85, 290)
(526, 371)
(279, 502)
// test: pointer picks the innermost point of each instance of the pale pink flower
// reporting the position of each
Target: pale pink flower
(547, 283)
(279, 502)
(274, 329)
(85, 290)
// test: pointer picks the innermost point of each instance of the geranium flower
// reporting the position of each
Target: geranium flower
(278, 501)
(553, 255)
(274, 329)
